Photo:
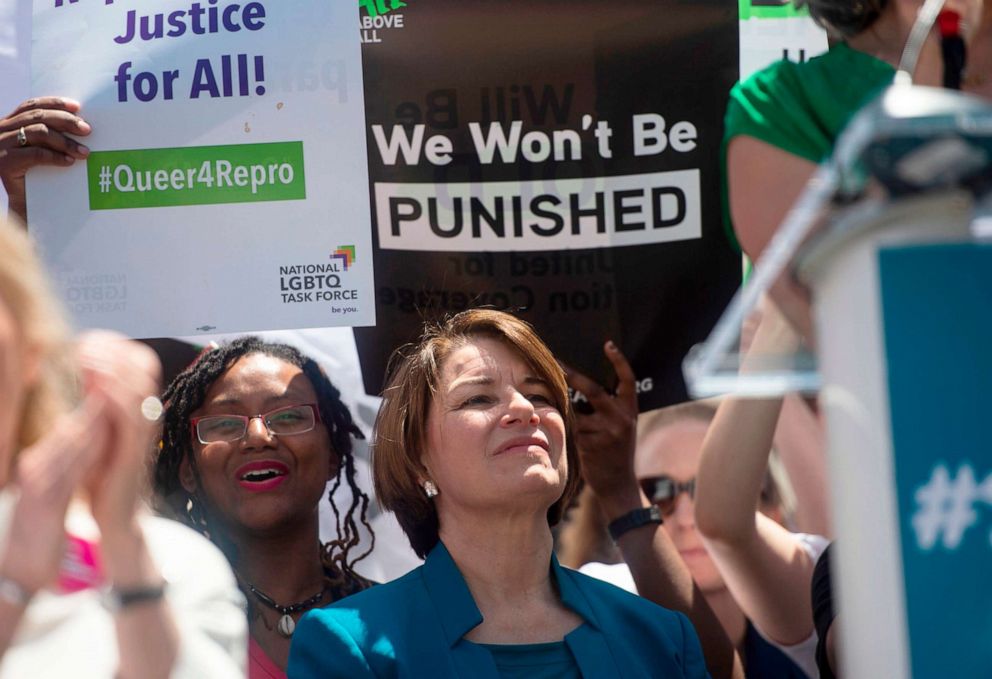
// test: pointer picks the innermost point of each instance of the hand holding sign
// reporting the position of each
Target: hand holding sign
(35, 133)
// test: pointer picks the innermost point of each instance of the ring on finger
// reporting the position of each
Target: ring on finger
(22, 137)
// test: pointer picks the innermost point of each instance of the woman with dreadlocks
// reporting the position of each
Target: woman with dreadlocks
(253, 432)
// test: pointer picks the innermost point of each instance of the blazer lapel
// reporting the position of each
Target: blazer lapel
(587, 642)
(592, 653)
(458, 614)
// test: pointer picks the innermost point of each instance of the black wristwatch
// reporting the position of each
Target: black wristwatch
(116, 600)
(634, 519)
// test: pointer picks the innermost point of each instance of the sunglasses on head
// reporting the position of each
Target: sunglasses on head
(663, 491)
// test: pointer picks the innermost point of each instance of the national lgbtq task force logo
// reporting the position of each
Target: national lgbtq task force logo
(345, 254)
(304, 283)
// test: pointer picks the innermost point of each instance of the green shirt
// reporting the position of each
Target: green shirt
(801, 108)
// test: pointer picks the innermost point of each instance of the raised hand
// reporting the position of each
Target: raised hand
(606, 436)
(47, 475)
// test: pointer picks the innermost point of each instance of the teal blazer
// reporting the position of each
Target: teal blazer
(413, 627)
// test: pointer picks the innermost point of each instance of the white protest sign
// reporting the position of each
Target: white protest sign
(765, 40)
(771, 30)
(227, 188)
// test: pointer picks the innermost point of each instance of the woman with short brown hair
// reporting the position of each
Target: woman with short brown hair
(400, 425)
(473, 452)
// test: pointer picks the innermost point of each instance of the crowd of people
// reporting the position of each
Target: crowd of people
(152, 530)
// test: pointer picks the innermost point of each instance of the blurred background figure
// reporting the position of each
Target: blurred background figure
(767, 567)
(91, 585)
(780, 124)
(669, 444)
(785, 119)
(606, 434)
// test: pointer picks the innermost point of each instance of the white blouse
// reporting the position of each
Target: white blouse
(68, 636)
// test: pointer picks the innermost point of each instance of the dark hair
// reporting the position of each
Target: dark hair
(186, 394)
(401, 426)
(844, 18)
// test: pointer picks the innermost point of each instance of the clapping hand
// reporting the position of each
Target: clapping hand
(97, 450)
(47, 476)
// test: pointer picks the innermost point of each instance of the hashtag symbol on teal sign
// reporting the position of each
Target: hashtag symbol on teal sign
(946, 507)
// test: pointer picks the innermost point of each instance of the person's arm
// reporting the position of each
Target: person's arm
(126, 373)
(606, 439)
(763, 183)
(766, 569)
(802, 451)
(147, 637)
(978, 72)
(36, 133)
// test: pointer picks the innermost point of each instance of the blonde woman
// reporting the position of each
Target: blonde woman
(90, 586)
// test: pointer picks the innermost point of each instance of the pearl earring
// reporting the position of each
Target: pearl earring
(430, 489)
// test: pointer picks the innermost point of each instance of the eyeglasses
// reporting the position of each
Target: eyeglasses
(663, 491)
(285, 421)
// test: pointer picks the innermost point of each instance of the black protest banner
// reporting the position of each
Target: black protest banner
(555, 158)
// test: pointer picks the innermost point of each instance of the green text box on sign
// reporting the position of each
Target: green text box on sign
(769, 9)
(197, 175)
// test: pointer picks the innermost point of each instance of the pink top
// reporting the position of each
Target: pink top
(260, 666)
(81, 567)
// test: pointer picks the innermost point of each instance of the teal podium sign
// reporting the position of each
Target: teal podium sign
(937, 318)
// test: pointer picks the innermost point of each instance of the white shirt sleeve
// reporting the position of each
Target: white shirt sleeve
(208, 607)
(73, 634)
(614, 573)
